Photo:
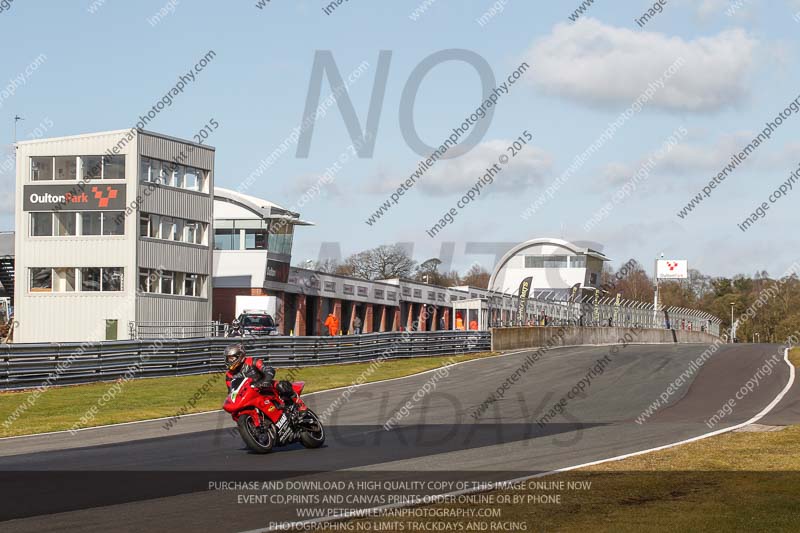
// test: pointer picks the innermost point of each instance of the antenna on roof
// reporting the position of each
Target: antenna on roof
(17, 118)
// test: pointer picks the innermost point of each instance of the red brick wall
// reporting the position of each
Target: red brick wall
(223, 306)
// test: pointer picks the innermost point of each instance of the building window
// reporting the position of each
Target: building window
(114, 167)
(255, 239)
(349, 289)
(64, 280)
(91, 223)
(66, 168)
(406, 291)
(111, 279)
(226, 239)
(431, 295)
(41, 168)
(90, 279)
(192, 232)
(155, 226)
(280, 238)
(191, 285)
(149, 280)
(379, 294)
(65, 224)
(577, 261)
(363, 291)
(167, 285)
(330, 286)
(144, 280)
(391, 296)
(91, 167)
(41, 224)
(144, 225)
(191, 179)
(177, 233)
(546, 261)
(593, 278)
(144, 170)
(114, 223)
(417, 293)
(177, 176)
(158, 172)
(41, 279)
(440, 296)
(171, 174)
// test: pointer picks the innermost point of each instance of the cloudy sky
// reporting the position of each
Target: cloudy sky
(698, 82)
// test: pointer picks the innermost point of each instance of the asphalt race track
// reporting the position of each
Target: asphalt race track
(140, 477)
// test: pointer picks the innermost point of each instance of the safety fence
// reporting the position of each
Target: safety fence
(34, 365)
(611, 312)
(176, 329)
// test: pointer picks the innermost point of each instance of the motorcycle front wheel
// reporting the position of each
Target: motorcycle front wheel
(312, 434)
(259, 438)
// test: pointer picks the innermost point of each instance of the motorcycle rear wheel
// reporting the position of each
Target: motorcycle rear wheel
(260, 439)
(313, 434)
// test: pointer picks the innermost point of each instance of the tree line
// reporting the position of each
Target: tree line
(394, 261)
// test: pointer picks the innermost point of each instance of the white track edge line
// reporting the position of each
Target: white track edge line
(376, 511)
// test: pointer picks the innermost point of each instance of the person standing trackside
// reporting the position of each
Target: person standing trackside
(357, 326)
(332, 323)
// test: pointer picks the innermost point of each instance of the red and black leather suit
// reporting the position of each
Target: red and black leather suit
(256, 369)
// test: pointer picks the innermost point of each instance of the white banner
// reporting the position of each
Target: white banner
(672, 269)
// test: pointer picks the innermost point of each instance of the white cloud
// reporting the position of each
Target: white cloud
(605, 65)
(688, 161)
(684, 159)
(707, 8)
(530, 166)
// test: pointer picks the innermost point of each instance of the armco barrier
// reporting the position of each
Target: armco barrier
(534, 336)
(34, 365)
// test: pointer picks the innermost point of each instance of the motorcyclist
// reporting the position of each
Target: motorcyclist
(239, 365)
(235, 330)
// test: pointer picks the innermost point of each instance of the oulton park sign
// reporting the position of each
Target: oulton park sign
(90, 197)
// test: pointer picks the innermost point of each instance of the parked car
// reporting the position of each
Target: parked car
(257, 323)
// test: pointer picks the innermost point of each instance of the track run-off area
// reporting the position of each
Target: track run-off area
(436, 432)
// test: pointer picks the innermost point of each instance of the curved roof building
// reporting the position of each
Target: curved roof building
(554, 265)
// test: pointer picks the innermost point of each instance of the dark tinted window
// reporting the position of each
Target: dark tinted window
(258, 321)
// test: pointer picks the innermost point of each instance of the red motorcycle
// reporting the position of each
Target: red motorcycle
(275, 416)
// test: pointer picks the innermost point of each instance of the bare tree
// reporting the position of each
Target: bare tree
(383, 262)
(476, 276)
(328, 266)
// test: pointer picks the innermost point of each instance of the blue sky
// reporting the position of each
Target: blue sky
(103, 69)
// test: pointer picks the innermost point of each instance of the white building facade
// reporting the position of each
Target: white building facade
(555, 266)
(113, 230)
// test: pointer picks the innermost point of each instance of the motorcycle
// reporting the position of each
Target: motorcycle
(236, 330)
(273, 417)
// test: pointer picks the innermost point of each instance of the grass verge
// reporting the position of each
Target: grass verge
(794, 356)
(58, 408)
(732, 482)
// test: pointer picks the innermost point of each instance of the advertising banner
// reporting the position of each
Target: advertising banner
(573, 293)
(524, 291)
(93, 196)
(672, 269)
